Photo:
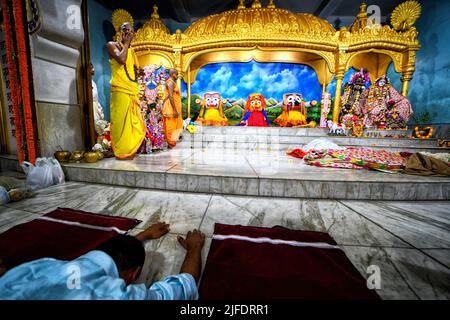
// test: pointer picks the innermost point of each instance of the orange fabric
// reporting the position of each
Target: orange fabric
(172, 126)
(172, 129)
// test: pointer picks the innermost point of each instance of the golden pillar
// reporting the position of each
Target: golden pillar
(189, 92)
(406, 78)
(341, 62)
(337, 97)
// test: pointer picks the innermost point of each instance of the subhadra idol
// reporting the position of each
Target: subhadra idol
(255, 114)
(294, 111)
(211, 112)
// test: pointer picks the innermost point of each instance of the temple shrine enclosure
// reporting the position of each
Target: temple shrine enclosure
(257, 165)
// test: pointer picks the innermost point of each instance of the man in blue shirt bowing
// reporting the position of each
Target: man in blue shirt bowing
(106, 273)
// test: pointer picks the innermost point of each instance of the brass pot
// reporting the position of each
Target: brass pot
(100, 155)
(77, 156)
(62, 156)
(91, 157)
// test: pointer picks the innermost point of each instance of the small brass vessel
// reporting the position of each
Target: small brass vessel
(62, 156)
(77, 156)
(100, 155)
(91, 157)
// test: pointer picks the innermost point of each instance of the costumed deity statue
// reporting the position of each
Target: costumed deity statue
(385, 107)
(294, 111)
(254, 113)
(353, 98)
(102, 127)
(211, 112)
(152, 94)
(326, 106)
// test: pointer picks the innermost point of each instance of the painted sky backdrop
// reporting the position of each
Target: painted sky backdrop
(235, 80)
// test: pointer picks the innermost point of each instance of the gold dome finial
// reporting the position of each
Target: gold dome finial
(241, 4)
(362, 10)
(361, 19)
(155, 14)
(405, 15)
(271, 4)
(256, 4)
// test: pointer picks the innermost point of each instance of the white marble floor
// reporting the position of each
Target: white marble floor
(409, 241)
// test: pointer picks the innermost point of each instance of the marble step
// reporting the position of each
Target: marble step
(267, 174)
(286, 147)
(282, 139)
(273, 143)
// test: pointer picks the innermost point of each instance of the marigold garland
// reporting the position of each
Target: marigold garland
(418, 135)
(23, 65)
(19, 77)
(13, 78)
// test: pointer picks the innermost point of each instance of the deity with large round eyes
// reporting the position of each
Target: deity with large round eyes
(294, 111)
(211, 112)
(255, 114)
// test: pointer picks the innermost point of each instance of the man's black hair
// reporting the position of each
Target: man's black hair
(126, 251)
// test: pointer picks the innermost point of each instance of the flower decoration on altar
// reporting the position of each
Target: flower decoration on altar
(360, 78)
(151, 95)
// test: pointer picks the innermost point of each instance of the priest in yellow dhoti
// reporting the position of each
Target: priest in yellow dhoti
(127, 125)
(173, 122)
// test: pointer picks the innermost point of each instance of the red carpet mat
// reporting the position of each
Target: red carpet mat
(62, 234)
(278, 263)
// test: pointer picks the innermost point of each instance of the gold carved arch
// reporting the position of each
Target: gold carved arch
(313, 59)
(375, 61)
(271, 34)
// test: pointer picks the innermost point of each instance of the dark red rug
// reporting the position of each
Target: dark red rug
(246, 263)
(63, 234)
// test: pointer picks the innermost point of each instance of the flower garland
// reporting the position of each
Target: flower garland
(24, 73)
(418, 135)
(36, 21)
(17, 58)
(13, 77)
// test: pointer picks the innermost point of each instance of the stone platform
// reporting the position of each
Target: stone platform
(282, 139)
(206, 162)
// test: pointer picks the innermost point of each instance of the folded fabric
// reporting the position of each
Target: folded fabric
(297, 153)
(63, 234)
(423, 165)
(321, 144)
(278, 263)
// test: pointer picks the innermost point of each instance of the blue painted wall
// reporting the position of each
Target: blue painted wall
(430, 88)
(101, 31)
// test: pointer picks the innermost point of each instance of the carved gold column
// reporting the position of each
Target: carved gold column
(189, 92)
(409, 61)
(340, 73)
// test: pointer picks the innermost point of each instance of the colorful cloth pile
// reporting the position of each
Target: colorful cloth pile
(356, 158)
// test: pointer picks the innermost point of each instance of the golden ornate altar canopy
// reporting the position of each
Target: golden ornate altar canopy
(271, 34)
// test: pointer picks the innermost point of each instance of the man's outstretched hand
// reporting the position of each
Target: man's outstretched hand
(155, 231)
(194, 240)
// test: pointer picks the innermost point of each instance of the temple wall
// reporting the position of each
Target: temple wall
(429, 90)
(55, 61)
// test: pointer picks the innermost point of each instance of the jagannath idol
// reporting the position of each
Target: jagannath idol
(211, 112)
(353, 98)
(385, 107)
(254, 113)
(294, 111)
